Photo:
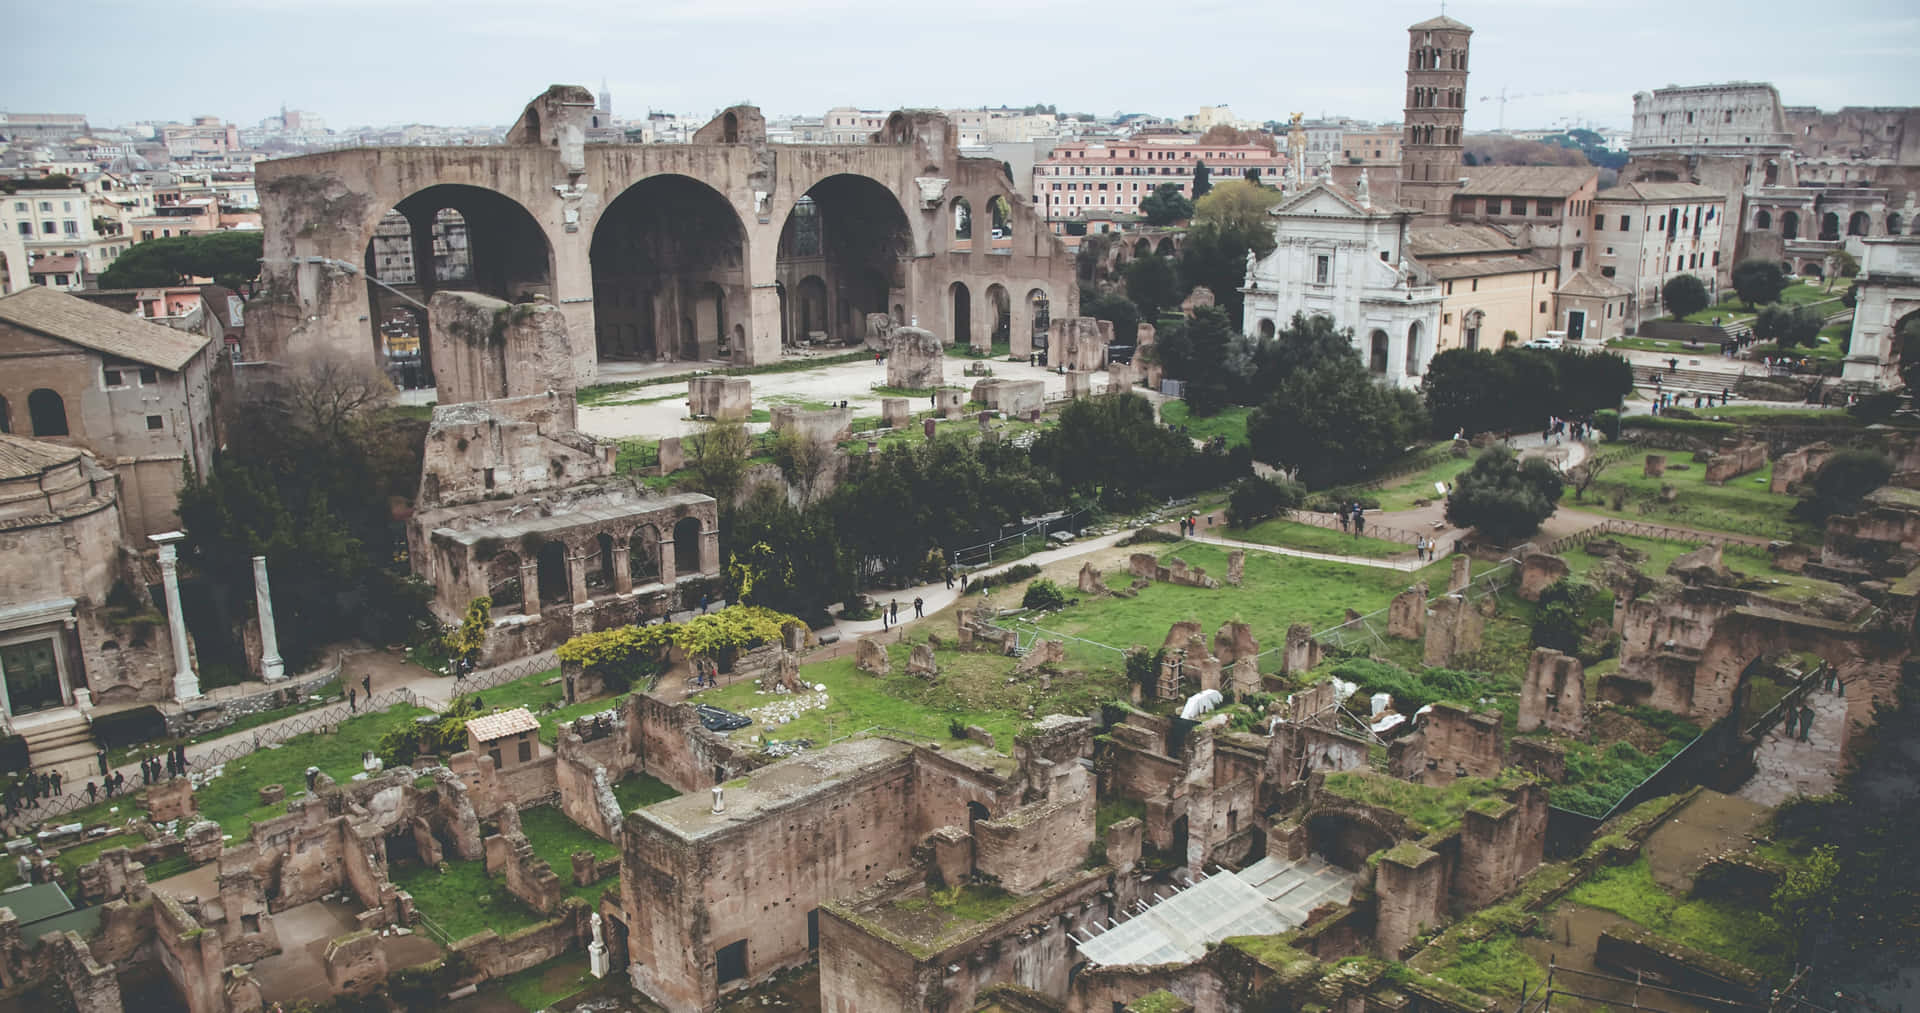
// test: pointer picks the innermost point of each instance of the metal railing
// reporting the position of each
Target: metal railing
(986, 553)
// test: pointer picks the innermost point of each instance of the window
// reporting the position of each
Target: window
(1543, 306)
(494, 754)
(1599, 223)
(46, 228)
(1322, 269)
(1446, 318)
(1449, 288)
(1578, 256)
(526, 750)
(48, 412)
(110, 377)
(1606, 272)
(26, 228)
(19, 207)
(1626, 225)
(730, 961)
(155, 422)
(1493, 205)
(46, 207)
(1545, 209)
(1476, 285)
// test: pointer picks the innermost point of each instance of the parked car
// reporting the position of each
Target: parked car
(1550, 342)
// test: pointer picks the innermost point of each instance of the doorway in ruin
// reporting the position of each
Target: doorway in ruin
(1002, 309)
(600, 567)
(446, 237)
(554, 585)
(1345, 840)
(669, 271)
(1177, 853)
(686, 546)
(643, 555)
(840, 254)
(402, 849)
(959, 315)
(503, 581)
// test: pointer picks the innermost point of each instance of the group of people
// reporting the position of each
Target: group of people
(1573, 429)
(175, 765)
(1423, 548)
(1189, 525)
(890, 612)
(27, 793)
(1353, 517)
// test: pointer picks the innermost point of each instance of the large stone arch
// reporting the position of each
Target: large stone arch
(1867, 661)
(1345, 834)
(850, 231)
(655, 250)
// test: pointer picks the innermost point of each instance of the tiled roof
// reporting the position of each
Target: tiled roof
(1483, 267)
(1461, 237)
(24, 458)
(1589, 284)
(488, 727)
(1434, 24)
(1659, 191)
(77, 321)
(1525, 180)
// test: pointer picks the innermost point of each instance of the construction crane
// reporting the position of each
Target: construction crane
(1503, 98)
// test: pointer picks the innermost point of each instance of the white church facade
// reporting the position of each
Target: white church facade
(1341, 255)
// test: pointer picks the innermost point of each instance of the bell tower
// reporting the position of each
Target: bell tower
(1436, 113)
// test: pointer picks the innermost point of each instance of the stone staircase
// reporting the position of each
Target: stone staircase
(56, 738)
(1688, 381)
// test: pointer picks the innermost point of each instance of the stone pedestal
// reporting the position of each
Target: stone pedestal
(186, 684)
(597, 961)
(271, 667)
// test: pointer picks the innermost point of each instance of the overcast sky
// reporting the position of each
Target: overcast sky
(380, 62)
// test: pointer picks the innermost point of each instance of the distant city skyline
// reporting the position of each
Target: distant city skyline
(354, 62)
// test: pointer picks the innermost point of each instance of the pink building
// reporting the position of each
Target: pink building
(1115, 175)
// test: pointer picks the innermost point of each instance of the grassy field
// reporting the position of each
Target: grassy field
(1742, 506)
(72, 858)
(1419, 486)
(1653, 345)
(1745, 935)
(232, 799)
(328, 691)
(542, 985)
(542, 693)
(555, 838)
(641, 790)
(1230, 423)
(1295, 535)
(462, 900)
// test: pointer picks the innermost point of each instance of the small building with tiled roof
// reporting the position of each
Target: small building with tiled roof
(135, 394)
(510, 737)
(1594, 308)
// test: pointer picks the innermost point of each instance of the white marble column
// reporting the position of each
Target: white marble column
(271, 667)
(186, 685)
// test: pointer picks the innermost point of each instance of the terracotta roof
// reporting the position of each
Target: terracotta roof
(1483, 267)
(488, 727)
(59, 315)
(24, 458)
(1659, 192)
(54, 265)
(1462, 237)
(1526, 180)
(1589, 284)
(1440, 22)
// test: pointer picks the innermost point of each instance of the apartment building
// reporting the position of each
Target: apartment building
(1115, 175)
(1644, 234)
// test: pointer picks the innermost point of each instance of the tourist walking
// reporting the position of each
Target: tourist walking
(919, 608)
(366, 683)
(353, 696)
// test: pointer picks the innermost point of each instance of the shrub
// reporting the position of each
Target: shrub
(1608, 422)
(1044, 594)
(1503, 498)
(1144, 536)
(1011, 575)
(1759, 281)
(1255, 499)
(1842, 483)
(129, 727)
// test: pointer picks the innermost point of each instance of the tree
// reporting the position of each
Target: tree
(1518, 388)
(1109, 448)
(1227, 223)
(1844, 265)
(1788, 326)
(1208, 383)
(804, 461)
(1153, 285)
(1841, 484)
(1255, 499)
(1201, 183)
(1684, 295)
(1587, 472)
(1503, 498)
(1166, 205)
(1331, 423)
(1759, 282)
(230, 258)
(783, 557)
(1238, 208)
(1115, 309)
(719, 459)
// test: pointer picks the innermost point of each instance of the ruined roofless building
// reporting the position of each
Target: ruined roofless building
(726, 247)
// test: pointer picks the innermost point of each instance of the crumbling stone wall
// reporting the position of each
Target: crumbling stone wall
(1451, 742)
(724, 398)
(1146, 566)
(1079, 343)
(1553, 693)
(1302, 652)
(1732, 462)
(915, 359)
(1500, 844)
(586, 787)
(822, 425)
(191, 955)
(1453, 628)
(1018, 398)
(485, 349)
(527, 875)
(1796, 466)
(672, 745)
(1035, 843)
(1407, 613)
(1296, 750)
(1539, 572)
(1412, 885)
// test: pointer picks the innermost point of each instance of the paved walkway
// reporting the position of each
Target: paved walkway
(1786, 766)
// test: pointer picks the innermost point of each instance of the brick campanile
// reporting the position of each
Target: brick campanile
(1436, 112)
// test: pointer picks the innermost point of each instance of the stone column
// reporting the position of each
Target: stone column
(530, 588)
(271, 667)
(667, 562)
(622, 567)
(186, 685)
(577, 576)
(710, 550)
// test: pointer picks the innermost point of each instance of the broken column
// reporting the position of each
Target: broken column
(1554, 693)
(186, 685)
(1460, 577)
(894, 412)
(1453, 629)
(271, 667)
(1236, 566)
(1302, 652)
(1655, 467)
(1407, 614)
(871, 658)
(1090, 580)
(915, 359)
(672, 456)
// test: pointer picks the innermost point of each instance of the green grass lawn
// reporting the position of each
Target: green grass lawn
(1230, 423)
(1745, 935)
(1295, 535)
(320, 697)
(1742, 506)
(232, 799)
(1660, 554)
(639, 790)
(542, 985)
(542, 693)
(999, 350)
(462, 900)
(555, 838)
(1276, 592)
(1404, 492)
(1427, 809)
(1497, 965)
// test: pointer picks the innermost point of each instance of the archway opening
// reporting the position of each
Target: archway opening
(503, 581)
(1040, 318)
(1377, 355)
(1812, 269)
(1266, 329)
(454, 237)
(810, 308)
(1344, 840)
(1830, 226)
(686, 546)
(1763, 220)
(600, 567)
(552, 574)
(643, 554)
(1143, 247)
(1166, 247)
(959, 315)
(1000, 217)
(1859, 224)
(1790, 225)
(1894, 223)
(1470, 325)
(667, 255)
(977, 812)
(48, 413)
(1001, 308)
(848, 233)
(962, 224)
(1413, 349)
